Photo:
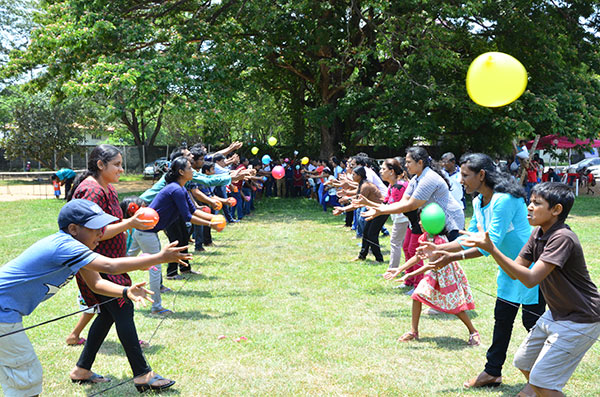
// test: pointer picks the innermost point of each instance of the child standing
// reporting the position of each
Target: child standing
(446, 290)
(45, 267)
(567, 330)
(56, 186)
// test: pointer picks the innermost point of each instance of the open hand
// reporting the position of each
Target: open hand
(136, 293)
(391, 273)
(426, 248)
(360, 201)
(173, 253)
(481, 239)
(370, 213)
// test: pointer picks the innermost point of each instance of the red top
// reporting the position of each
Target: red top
(239, 183)
(115, 247)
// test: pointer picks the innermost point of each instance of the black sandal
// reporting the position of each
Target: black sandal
(142, 387)
(94, 378)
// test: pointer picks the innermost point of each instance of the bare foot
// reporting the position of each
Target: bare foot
(527, 391)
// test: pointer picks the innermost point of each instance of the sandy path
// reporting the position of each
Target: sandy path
(42, 191)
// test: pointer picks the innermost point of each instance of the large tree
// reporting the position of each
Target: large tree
(43, 130)
(347, 72)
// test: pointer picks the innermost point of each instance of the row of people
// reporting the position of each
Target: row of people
(501, 225)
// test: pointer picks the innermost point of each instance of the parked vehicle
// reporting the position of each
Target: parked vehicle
(583, 164)
(155, 169)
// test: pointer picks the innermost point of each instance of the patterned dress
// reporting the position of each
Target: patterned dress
(115, 247)
(446, 289)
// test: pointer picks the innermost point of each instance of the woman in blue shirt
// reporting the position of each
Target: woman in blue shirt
(499, 207)
(172, 202)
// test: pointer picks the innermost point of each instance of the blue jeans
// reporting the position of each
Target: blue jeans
(222, 192)
(238, 207)
(359, 221)
(198, 234)
(246, 205)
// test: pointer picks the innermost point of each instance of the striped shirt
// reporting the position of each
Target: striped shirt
(432, 188)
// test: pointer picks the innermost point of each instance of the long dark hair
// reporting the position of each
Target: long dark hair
(418, 153)
(360, 171)
(178, 164)
(495, 180)
(104, 153)
(395, 165)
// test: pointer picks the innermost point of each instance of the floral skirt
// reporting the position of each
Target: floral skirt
(446, 289)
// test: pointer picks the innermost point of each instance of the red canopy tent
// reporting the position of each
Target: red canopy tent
(562, 142)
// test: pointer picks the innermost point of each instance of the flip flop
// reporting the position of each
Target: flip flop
(95, 378)
(142, 387)
(144, 344)
(162, 312)
(81, 341)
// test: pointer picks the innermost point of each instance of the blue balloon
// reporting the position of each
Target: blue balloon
(264, 178)
(297, 167)
(266, 159)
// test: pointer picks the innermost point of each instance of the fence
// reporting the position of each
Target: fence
(134, 158)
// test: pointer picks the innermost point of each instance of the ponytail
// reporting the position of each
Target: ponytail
(104, 153)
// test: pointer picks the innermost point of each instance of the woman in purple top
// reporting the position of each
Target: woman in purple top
(172, 202)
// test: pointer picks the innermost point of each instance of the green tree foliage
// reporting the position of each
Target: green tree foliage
(327, 74)
(43, 130)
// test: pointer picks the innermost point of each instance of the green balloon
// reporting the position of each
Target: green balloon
(433, 219)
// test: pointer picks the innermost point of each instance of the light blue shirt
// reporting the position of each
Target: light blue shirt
(38, 273)
(505, 219)
(199, 178)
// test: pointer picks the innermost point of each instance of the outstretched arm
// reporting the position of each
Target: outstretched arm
(517, 269)
(170, 253)
(107, 288)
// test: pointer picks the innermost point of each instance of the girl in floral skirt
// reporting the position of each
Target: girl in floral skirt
(446, 290)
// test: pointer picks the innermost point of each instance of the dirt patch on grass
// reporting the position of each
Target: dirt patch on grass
(45, 191)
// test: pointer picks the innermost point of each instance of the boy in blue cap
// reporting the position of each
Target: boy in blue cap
(42, 269)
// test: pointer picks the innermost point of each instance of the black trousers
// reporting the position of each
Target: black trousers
(122, 317)
(371, 238)
(504, 317)
(178, 231)
(349, 218)
(68, 183)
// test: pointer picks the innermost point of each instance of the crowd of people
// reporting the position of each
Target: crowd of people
(101, 238)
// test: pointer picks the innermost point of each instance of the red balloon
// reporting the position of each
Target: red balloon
(232, 201)
(148, 214)
(278, 172)
(206, 209)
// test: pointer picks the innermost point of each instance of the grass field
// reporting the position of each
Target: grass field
(316, 323)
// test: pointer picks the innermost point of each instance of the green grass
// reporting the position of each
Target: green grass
(316, 323)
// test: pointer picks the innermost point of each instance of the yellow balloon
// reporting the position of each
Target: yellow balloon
(495, 79)
(272, 141)
(254, 150)
(304, 160)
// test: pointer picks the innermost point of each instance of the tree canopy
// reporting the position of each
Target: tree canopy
(322, 74)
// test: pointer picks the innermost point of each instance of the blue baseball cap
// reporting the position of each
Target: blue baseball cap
(84, 213)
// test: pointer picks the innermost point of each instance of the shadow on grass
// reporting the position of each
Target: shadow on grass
(224, 294)
(506, 390)
(395, 313)
(199, 276)
(442, 342)
(122, 386)
(408, 312)
(191, 315)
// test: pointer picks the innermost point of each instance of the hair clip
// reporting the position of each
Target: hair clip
(132, 208)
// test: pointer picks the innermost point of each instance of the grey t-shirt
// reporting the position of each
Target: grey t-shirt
(568, 289)
(432, 188)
